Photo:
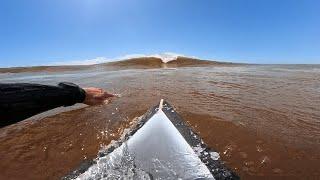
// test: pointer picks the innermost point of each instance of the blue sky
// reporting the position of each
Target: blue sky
(39, 32)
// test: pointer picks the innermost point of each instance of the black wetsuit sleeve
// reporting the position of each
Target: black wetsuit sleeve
(22, 100)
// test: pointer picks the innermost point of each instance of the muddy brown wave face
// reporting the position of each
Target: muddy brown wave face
(263, 120)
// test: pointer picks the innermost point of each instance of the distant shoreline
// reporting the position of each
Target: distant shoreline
(133, 63)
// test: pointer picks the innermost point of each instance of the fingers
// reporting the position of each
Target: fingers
(98, 90)
(108, 95)
(103, 96)
(96, 96)
(93, 90)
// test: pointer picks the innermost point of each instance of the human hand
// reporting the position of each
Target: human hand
(96, 96)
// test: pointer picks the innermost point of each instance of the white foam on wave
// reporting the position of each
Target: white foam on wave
(165, 57)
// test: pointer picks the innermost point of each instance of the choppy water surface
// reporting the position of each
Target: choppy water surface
(263, 120)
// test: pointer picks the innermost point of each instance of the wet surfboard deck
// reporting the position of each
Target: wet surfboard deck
(160, 146)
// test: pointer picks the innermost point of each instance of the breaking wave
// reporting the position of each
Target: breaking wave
(165, 57)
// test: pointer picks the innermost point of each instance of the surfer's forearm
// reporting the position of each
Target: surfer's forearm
(22, 100)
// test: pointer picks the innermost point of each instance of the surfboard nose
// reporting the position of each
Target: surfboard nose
(161, 104)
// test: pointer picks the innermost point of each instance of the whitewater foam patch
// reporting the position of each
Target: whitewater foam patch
(167, 57)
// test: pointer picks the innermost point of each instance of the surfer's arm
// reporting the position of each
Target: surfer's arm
(22, 100)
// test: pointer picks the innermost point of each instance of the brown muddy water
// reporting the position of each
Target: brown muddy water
(263, 120)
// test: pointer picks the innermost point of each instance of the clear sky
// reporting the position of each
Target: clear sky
(34, 32)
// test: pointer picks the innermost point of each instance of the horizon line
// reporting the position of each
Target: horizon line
(166, 56)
